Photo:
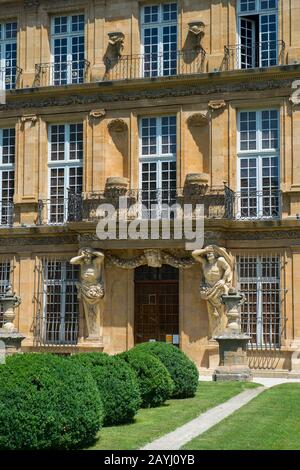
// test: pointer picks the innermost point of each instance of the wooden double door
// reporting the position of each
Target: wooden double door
(156, 305)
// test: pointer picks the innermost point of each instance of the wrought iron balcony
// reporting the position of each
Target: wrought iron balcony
(156, 203)
(10, 77)
(6, 214)
(61, 73)
(155, 65)
(148, 203)
(251, 205)
(261, 54)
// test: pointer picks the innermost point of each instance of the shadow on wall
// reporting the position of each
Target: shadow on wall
(268, 359)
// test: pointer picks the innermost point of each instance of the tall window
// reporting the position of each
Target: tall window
(5, 280)
(68, 50)
(259, 280)
(7, 163)
(60, 312)
(258, 164)
(8, 55)
(258, 33)
(65, 168)
(159, 39)
(157, 163)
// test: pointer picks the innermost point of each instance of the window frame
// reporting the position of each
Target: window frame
(160, 43)
(66, 164)
(68, 35)
(63, 283)
(4, 85)
(6, 212)
(259, 154)
(259, 280)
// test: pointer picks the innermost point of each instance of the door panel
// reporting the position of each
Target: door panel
(156, 310)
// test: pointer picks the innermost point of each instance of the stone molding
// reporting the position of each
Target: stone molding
(32, 118)
(96, 114)
(217, 105)
(180, 91)
(151, 257)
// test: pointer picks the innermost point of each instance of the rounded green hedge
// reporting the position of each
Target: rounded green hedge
(155, 382)
(182, 370)
(117, 385)
(47, 402)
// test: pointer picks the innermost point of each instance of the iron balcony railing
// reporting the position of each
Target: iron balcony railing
(252, 204)
(155, 65)
(62, 73)
(147, 203)
(262, 54)
(10, 77)
(6, 213)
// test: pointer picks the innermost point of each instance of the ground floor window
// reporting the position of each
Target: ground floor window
(5, 280)
(58, 313)
(259, 280)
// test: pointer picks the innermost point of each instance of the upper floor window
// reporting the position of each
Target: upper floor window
(7, 175)
(8, 55)
(67, 46)
(65, 169)
(249, 6)
(258, 164)
(258, 34)
(158, 163)
(159, 39)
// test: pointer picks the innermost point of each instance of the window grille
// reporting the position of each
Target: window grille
(57, 316)
(259, 279)
(6, 268)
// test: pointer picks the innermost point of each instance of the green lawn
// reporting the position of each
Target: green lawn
(270, 421)
(155, 422)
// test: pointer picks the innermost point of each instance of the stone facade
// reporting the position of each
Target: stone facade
(206, 100)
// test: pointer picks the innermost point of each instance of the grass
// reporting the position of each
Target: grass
(270, 421)
(152, 423)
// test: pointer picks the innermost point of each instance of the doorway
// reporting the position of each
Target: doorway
(156, 308)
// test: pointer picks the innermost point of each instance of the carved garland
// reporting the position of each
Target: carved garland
(154, 258)
(148, 94)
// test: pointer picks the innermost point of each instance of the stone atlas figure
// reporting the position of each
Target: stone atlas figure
(217, 267)
(91, 290)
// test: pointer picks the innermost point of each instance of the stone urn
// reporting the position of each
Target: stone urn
(8, 333)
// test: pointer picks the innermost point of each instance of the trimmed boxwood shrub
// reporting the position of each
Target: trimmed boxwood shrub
(47, 402)
(183, 371)
(155, 382)
(117, 385)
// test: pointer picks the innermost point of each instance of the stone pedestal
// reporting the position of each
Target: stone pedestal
(233, 358)
(12, 341)
(233, 363)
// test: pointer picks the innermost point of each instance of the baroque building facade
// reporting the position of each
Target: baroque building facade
(158, 102)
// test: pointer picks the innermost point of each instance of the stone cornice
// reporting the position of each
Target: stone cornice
(145, 93)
